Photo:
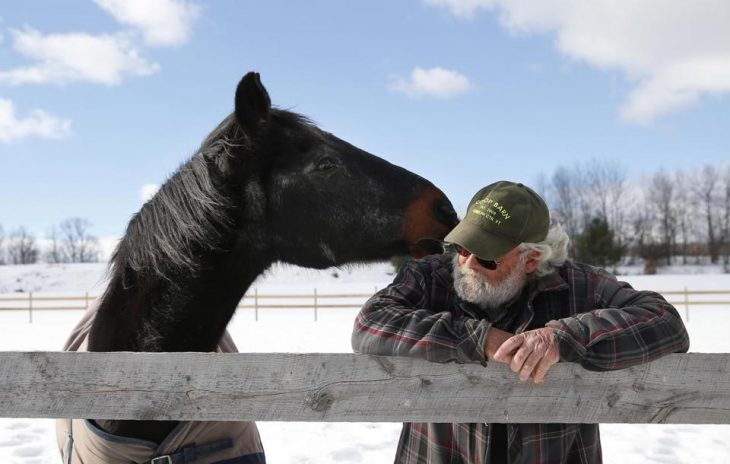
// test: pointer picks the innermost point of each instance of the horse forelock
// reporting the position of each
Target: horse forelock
(291, 119)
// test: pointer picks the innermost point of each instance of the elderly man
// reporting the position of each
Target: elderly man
(508, 293)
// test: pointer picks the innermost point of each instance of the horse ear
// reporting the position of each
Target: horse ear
(252, 102)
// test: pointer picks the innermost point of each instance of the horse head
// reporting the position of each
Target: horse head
(327, 202)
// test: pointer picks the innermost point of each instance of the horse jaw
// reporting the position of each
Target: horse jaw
(425, 247)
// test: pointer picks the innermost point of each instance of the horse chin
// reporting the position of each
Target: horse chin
(311, 263)
(425, 247)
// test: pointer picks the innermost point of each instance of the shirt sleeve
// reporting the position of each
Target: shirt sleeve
(632, 327)
(400, 321)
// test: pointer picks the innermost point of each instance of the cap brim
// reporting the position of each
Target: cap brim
(478, 241)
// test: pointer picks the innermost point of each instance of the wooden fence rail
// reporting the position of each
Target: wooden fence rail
(253, 300)
(689, 388)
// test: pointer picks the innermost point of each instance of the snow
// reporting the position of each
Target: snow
(32, 441)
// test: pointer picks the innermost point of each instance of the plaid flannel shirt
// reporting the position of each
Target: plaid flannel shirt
(601, 323)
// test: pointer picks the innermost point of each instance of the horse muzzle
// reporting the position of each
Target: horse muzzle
(427, 221)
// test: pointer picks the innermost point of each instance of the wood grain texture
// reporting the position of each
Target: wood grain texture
(689, 388)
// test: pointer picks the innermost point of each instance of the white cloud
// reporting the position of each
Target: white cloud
(38, 123)
(148, 191)
(162, 22)
(462, 8)
(674, 52)
(434, 82)
(62, 58)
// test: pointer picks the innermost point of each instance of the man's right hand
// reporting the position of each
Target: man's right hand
(495, 338)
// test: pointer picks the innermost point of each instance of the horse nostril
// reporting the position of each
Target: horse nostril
(445, 213)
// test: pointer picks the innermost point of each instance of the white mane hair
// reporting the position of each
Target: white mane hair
(553, 250)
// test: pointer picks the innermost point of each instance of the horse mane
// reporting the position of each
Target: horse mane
(188, 214)
(191, 213)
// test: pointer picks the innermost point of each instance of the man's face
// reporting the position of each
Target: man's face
(507, 264)
(492, 288)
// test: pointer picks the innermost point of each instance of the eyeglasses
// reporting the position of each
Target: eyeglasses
(485, 263)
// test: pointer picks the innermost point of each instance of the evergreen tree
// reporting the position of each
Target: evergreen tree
(597, 246)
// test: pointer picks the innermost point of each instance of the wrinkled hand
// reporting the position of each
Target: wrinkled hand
(530, 353)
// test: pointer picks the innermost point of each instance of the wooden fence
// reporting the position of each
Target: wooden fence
(689, 388)
(317, 301)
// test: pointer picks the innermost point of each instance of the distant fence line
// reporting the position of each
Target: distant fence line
(253, 300)
(315, 301)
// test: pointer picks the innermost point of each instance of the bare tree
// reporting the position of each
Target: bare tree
(567, 203)
(644, 241)
(76, 242)
(606, 184)
(684, 217)
(55, 252)
(21, 247)
(704, 190)
(725, 229)
(2, 245)
(661, 197)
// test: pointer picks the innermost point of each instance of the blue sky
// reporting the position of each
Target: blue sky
(99, 99)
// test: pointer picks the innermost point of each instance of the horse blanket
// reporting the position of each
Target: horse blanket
(196, 442)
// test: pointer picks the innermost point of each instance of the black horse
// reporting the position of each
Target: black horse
(267, 185)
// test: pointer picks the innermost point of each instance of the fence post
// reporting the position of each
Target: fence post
(30, 307)
(256, 302)
(686, 304)
(86, 300)
(315, 305)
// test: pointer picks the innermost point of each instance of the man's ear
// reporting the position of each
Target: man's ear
(533, 260)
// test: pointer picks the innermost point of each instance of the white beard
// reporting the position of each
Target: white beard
(475, 288)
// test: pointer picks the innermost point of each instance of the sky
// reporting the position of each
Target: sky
(101, 100)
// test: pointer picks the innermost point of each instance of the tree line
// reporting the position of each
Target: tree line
(667, 218)
(680, 217)
(68, 242)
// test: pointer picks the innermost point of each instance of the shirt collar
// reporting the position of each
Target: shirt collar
(548, 283)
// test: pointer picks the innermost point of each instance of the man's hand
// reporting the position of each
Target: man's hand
(530, 353)
(495, 338)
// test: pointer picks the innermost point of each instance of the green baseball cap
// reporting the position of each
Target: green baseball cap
(501, 216)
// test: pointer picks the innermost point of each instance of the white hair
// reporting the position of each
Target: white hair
(553, 250)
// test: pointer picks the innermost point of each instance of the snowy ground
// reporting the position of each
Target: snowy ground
(33, 441)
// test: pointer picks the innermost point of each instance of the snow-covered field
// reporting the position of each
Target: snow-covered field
(33, 441)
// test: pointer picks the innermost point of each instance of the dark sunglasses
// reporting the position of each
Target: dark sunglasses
(485, 263)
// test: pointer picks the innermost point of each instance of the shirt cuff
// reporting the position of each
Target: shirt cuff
(570, 349)
(471, 348)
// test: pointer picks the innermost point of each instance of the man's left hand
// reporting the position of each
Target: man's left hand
(530, 353)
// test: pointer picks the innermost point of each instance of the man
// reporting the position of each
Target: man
(508, 274)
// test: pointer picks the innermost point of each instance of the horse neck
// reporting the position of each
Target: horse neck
(190, 314)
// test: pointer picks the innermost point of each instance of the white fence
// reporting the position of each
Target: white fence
(316, 301)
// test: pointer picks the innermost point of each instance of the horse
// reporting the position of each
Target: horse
(266, 186)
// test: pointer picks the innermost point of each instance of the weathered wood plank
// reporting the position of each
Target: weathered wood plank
(682, 388)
